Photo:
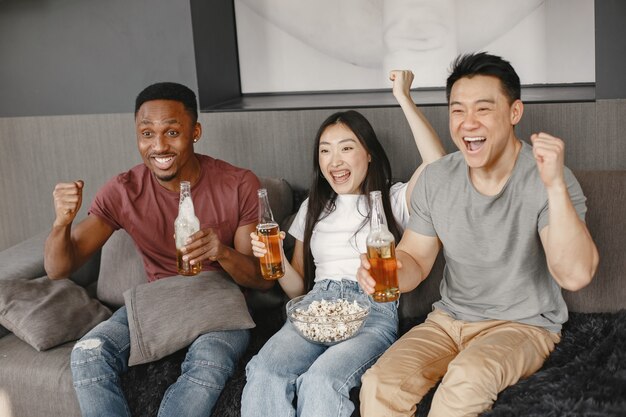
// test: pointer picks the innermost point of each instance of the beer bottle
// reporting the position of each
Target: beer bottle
(185, 225)
(381, 253)
(272, 265)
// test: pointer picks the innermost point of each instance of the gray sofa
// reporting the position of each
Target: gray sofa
(586, 375)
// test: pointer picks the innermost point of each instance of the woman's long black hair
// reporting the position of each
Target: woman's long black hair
(322, 196)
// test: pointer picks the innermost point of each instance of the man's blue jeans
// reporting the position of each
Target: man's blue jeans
(320, 376)
(101, 356)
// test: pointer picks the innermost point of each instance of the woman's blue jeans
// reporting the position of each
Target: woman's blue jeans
(320, 376)
(101, 356)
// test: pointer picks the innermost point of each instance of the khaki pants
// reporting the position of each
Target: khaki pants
(477, 360)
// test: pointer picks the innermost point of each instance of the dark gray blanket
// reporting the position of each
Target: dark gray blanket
(585, 375)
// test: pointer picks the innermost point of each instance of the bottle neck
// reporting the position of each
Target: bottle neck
(185, 189)
(265, 211)
(377, 216)
(185, 204)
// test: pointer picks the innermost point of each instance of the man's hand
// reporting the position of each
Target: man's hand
(68, 198)
(402, 80)
(67, 246)
(366, 281)
(202, 245)
(549, 153)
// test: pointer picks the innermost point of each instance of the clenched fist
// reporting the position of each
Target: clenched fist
(68, 198)
(402, 80)
(549, 153)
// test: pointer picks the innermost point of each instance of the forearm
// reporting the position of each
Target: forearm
(59, 254)
(245, 270)
(292, 282)
(426, 139)
(411, 274)
(570, 251)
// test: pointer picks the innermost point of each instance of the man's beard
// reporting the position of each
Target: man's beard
(167, 178)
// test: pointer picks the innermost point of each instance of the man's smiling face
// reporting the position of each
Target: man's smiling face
(165, 136)
(482, 119)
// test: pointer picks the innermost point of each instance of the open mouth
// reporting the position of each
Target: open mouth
(339, 177)
(163, 162)
(473, 144)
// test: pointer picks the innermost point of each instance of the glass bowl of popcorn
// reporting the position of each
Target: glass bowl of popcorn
(328, 320)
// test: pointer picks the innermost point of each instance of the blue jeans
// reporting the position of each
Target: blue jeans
(320, 376)
(101, 356)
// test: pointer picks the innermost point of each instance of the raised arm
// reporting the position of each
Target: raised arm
(68, 248)
(571, 254)
(426, 139)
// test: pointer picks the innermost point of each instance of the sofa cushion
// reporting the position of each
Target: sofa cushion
(24, 260)
(121, 268)
(167, 315)
(606, 200)
(46, 313)
(280, 196)
(35, 383)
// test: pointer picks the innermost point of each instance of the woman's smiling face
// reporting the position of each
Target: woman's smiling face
(343, 159)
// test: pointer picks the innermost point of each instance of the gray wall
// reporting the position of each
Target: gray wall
(91, 57)
(84, 56)
(58, 54)
(610, 16)
(38, 152)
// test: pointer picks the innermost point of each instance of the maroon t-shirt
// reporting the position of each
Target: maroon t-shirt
(224, 199)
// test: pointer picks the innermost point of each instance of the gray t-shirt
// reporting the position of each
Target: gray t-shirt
(495, 262)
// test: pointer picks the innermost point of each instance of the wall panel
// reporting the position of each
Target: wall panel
(37, 152)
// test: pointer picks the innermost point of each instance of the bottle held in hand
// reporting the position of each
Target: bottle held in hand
(381, 253)
(185, 225)
(272, 265)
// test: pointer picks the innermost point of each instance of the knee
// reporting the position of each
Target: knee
(256, 365)
(211, 360)
(211, 351)
(219, 347)
(375, 377)
(87, 350)
(376, 388)
(259, 370)
(92, 363)
(316, 382)
(472, 376)
(382, 381)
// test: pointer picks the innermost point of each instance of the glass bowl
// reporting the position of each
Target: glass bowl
(328, 320)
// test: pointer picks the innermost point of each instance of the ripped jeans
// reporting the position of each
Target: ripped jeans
(101, 356)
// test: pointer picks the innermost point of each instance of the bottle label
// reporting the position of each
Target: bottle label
(186, 223)
(272, 265)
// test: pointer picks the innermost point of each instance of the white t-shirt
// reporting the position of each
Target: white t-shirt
(334, 244)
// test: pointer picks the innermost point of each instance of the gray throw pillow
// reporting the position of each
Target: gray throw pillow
(167, 315)
(46, 313)
(121, 268)
(280, 196)
(24, 260)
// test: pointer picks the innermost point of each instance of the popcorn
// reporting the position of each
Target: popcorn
(329, 321)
